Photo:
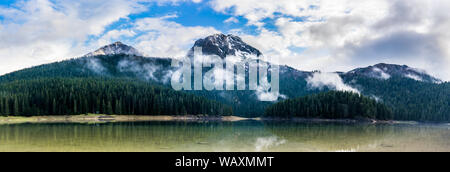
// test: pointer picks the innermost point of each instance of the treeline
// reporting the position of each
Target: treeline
(64, 96)
(331, 105)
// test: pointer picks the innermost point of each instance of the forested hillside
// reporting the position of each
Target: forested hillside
(65, 96)
(331, 105)
(157, 72)
(106, 66)
(409, 99)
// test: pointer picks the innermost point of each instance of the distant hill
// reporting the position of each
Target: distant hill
(386, 71)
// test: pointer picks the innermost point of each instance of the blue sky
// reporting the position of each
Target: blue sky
(327, 35)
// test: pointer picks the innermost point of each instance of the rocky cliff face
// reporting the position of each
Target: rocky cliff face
(225, 45)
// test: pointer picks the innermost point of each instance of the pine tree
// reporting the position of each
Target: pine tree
(7, 112)
(75, 107)
(16, 107)
(54, 107)
(109, 109)
(2, 107)
(118, 110)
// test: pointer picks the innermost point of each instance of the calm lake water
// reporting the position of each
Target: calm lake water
(223, 136)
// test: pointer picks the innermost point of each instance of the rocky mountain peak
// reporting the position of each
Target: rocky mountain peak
(115, 48)
(225, 45)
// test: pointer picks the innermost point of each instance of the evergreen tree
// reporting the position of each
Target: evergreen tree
(109, 108)
(16, 107)
(331, 105)
(6, 111)
(64, 96)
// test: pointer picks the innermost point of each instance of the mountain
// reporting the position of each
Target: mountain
(386, 71)
(410, 91)
(225, 45)
(115, 48)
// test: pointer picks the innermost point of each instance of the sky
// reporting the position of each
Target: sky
(327, 35)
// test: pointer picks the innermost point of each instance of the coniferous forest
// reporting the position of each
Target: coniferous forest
(64, 96)
(409, 99)
(331, 105)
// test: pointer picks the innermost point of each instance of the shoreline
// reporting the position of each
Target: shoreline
(348, 121)
(99, 118)
(91, 118)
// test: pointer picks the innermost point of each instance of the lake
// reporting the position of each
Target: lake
(253, 136)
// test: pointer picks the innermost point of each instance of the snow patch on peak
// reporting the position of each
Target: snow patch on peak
(225, 45)
(115, 48)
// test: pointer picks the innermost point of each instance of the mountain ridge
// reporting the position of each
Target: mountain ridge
(230, 45)
(396, 91)
(386, 71)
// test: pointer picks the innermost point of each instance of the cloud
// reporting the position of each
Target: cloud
(171, 2)
(34, 32)
(268, 96)
(415, 77)
(146, 71)
(381, 74)
(344, 34)
(95, 65)
(114, 35)
(330, 80)
(42, 31)
(164, 38)
(328, 35)
(231, 20)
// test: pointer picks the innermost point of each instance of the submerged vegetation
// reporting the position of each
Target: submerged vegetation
(331, 105)
(64, 96)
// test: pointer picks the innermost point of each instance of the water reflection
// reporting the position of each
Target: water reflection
(223, 136)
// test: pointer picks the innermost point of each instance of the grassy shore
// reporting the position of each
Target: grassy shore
(95, 118)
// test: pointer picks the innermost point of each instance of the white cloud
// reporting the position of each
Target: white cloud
(41, 31)
(333, 34)
(381, 74)
(231, 20)
(164, 38)
(330, 80)
(344, 34)
(114, 35)
(415, 77)
(170, 2)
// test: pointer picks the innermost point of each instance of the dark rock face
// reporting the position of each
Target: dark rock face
(225, 45)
